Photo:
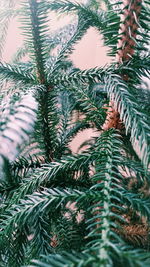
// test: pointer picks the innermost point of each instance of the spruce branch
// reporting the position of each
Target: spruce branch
(36, 19)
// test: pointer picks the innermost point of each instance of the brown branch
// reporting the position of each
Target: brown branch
(126, 48)
(112, 119)
(128, 30)
(134, 233)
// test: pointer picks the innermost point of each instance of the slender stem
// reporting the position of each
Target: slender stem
(45, 125)
(36, 40)
(38, 48)
(128, 30)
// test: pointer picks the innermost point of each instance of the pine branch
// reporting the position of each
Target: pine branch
(48, 119)
(67, 48)
(16, 73)
(109, 147)
(22, 166)
(112, 199)
(137, 203)
(39, 238)
(102, 20)
(107, 181)
(67, 129)
(36, 21)
(136, 69)
(77, 76)
(94, 111)
(130, 114)
(92, 17)
(37, 204)
(65, 136)
(67, 259)
(131, 258)
(50, 174)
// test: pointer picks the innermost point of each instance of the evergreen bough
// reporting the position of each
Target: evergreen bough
(91, 208)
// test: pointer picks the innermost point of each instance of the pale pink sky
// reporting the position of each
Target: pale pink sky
(88, 53)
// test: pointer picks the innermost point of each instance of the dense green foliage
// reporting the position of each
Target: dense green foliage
(59, 208)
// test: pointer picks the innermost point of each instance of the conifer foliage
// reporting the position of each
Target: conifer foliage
(91, 208)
